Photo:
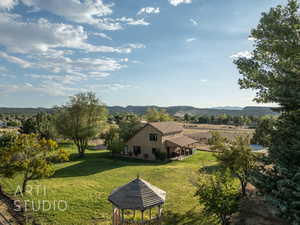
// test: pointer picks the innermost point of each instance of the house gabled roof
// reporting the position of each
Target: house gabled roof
(167, 127)
(162, 127)
(137, 194)
(181, 141)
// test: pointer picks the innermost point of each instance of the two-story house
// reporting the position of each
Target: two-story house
(164, 137)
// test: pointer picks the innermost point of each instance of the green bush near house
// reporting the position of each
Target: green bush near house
(161, 156)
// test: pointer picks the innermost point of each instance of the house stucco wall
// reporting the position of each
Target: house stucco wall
(142, 139)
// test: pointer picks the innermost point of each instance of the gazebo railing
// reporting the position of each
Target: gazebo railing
(154, 221)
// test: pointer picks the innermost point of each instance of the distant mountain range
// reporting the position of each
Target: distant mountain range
(229, 107)
(182, 110)
(173, 110)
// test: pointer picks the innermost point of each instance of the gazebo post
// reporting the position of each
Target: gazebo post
(142, 217)
(119, 217)
(122, 216)
(113, 215)
(150, 213)
(159, 215)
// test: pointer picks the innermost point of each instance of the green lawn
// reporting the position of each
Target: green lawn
(86, 183)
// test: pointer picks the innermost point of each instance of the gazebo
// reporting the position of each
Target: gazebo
(137, 202)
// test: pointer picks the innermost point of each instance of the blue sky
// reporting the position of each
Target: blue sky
(130, 52)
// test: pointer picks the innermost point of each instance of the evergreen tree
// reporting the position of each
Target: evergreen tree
(273, 70)
(262, 135)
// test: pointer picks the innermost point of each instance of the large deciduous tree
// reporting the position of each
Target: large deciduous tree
(238, 157)
(219, 195)
(45, 125)
(31, 157)
(129, 126)
(81, 119)
(7, 167)
(273, 69)
(155, 115)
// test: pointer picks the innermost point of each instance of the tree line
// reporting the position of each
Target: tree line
(225, 119)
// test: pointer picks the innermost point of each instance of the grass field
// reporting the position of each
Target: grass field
(86, 183)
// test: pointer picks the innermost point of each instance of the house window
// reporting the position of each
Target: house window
(153, 137)
(153, 150)
(126, 149)
(137, 150)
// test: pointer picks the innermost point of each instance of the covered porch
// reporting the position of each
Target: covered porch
(180, 147)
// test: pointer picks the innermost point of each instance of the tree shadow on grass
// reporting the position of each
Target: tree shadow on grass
(210, 169)
(96, 162)
(65, 144)
(191, 217)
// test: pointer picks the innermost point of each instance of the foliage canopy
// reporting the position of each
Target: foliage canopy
(81, 119)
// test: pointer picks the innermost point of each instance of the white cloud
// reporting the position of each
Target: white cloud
(93, 12)
(132, 21)
(8, 4)
(47, 36)
(251, 39)
(139, 22)
(137, 45)
(3, 69)
(178, 2)
(70, 71)
(50, 49)
(65, 79)
(148, 10)
(190, 39)
(109, 87)
(105, 64)
(245, 54)
(97, 75)
(8, 88)
(102, 35)
(16, 60)
(85, 12)
(28, 84)
(194, 22)
(53, 88)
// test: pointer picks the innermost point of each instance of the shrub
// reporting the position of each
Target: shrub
(7, 139)
(162, 156)
(116, 146)
(219, 195)
(12, 124)
(63, 155)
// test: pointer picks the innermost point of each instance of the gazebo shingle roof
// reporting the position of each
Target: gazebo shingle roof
(138, 195)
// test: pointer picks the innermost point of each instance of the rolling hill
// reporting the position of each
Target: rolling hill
(173, 110)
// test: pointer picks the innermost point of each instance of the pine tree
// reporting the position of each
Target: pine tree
(273, 69)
